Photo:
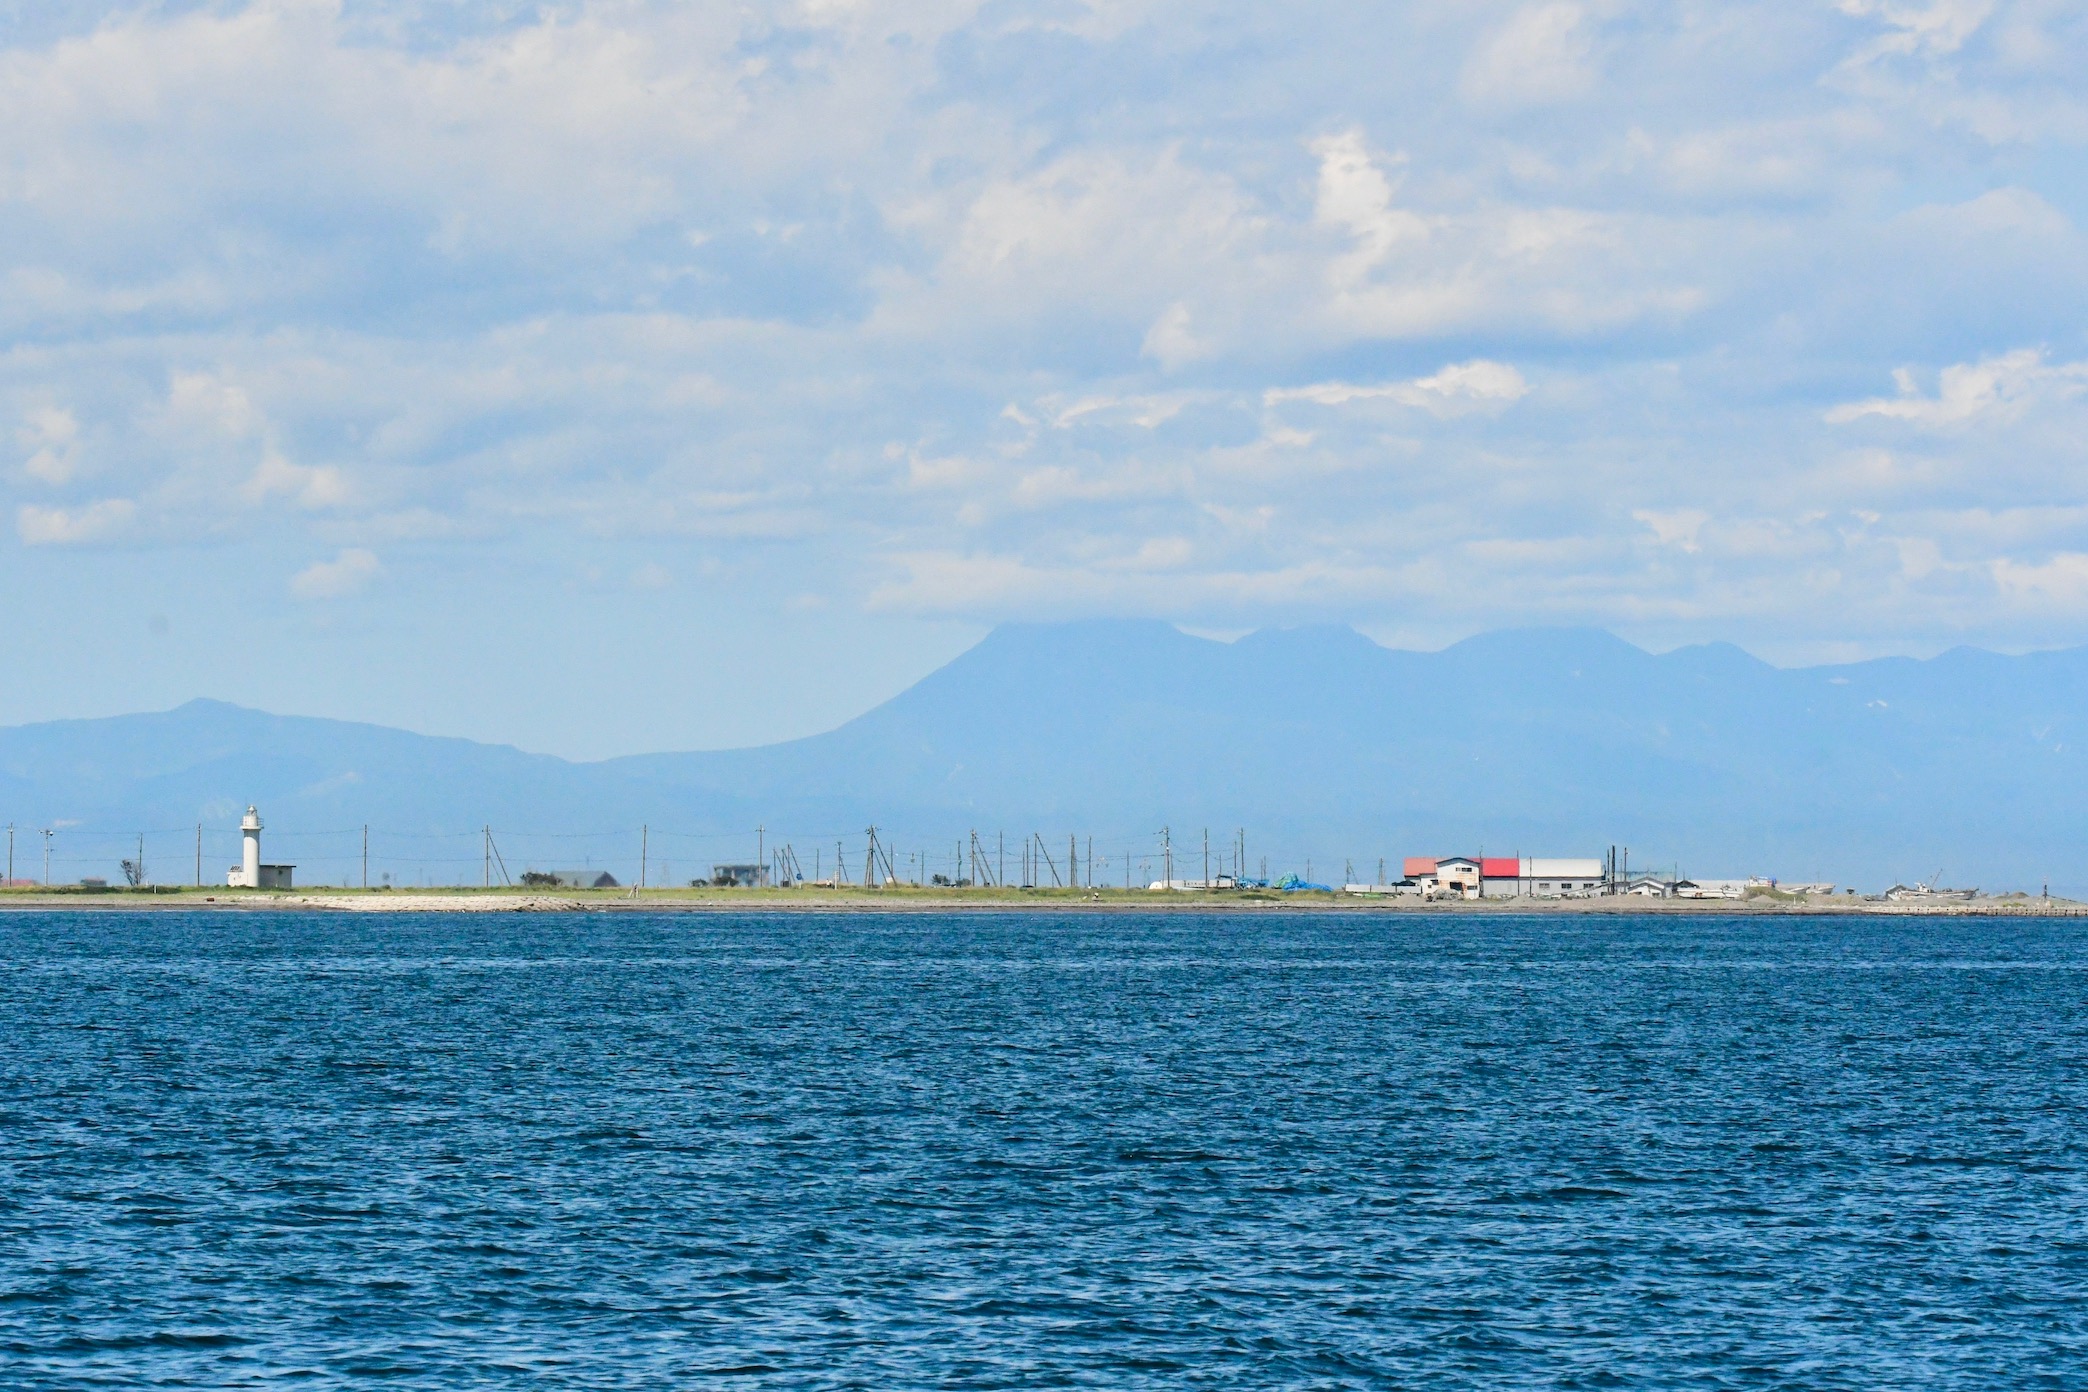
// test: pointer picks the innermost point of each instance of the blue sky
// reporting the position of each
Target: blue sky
(608, 377)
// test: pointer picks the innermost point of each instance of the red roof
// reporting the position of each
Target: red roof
(1419, 866)
(1501, 868)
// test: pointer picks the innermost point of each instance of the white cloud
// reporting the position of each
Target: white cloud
(1356, 196)
(56, 526)
(2058, 582)
(2013, 217)
(1103, 233)
(489, 280)
(1542, 54)
(1456, 390)
(1483, 266)
(1146, 411)
(1681, 528)
(344, 575)
(308, 486)
(1933, 29)
(52, 435)
(201, 400)
(1996, 388)
(1173, 341)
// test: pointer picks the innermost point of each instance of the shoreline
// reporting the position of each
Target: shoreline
(910, 900)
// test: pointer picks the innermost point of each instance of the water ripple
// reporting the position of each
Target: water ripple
(597, 1151)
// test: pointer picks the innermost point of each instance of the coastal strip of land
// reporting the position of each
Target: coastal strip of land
(910, 899)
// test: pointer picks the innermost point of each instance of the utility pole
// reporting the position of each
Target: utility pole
(760, 845)
(644, 850)
(1207, 859)
(1167, 857)
(1003, 839)
(47, 857)
(199, 853)
(1073, 862)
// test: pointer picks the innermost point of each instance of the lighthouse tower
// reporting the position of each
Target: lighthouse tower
(249, 872)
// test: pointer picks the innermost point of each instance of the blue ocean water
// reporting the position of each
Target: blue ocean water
(1027, 1150)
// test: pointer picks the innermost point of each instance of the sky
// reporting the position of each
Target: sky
(606, 377)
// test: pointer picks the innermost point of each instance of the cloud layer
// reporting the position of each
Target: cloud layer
(1753, 320)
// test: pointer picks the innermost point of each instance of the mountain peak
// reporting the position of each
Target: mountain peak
(1316, 639)
(1547, 645)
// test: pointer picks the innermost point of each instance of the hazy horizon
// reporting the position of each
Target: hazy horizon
(1223, 637)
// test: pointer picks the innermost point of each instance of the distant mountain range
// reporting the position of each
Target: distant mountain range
(1317, 742)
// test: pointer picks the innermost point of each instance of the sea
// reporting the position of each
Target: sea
(1041, 1149)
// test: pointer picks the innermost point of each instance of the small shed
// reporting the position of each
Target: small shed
(264, 877)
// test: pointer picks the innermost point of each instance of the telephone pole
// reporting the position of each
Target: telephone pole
(1167, 857)
(1207, 858)
(199, 855)
(760, 848)
(644, 850)
(47, 857)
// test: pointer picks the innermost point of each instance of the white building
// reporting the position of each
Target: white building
(1552, 877)
(1505, 877)
(1448, 876)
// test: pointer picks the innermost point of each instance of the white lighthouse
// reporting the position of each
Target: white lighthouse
(250, 849)
(250, 873)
